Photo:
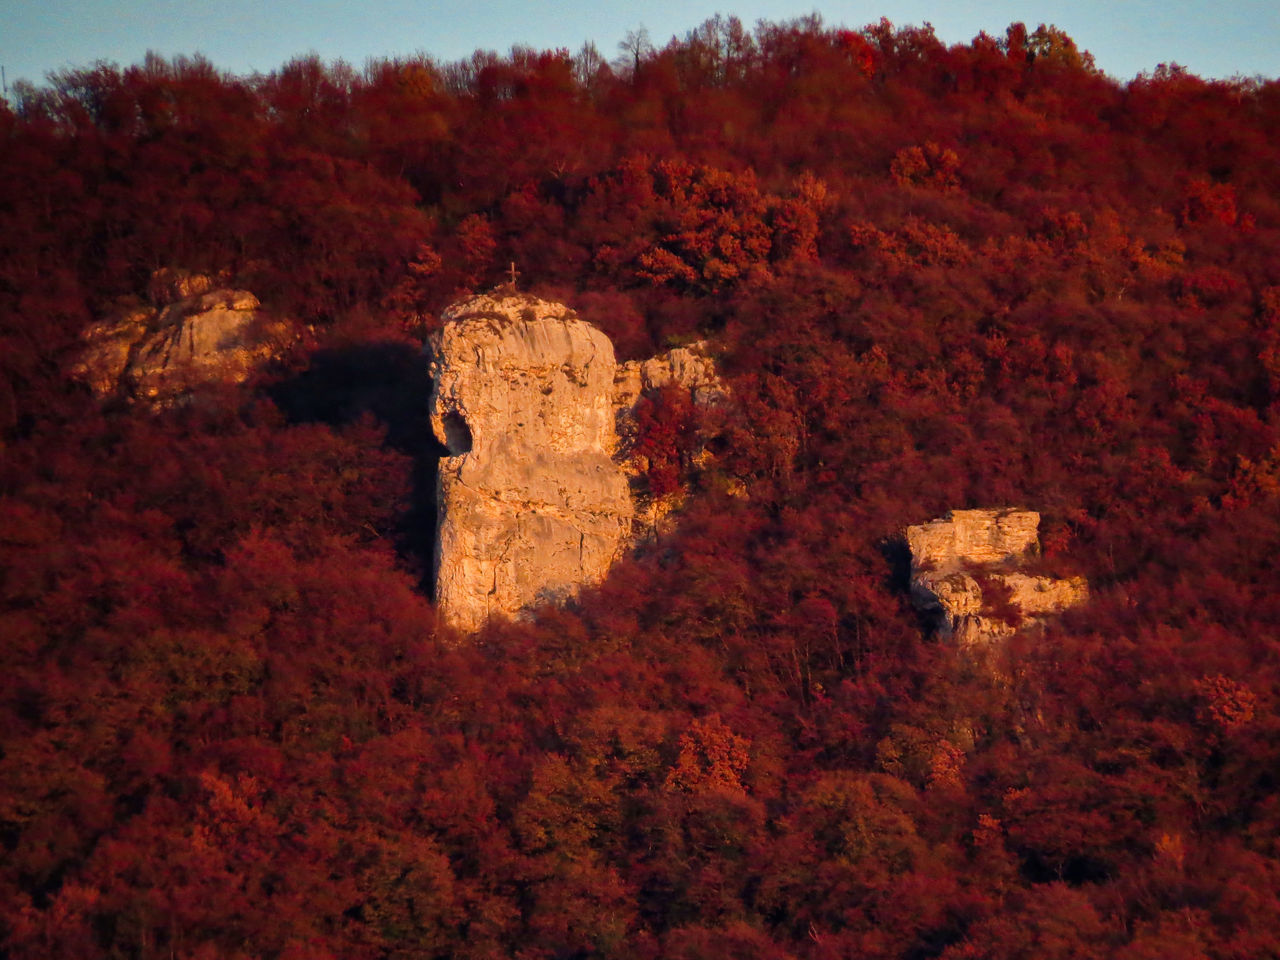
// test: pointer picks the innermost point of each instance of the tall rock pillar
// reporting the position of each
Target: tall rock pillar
(531, 503)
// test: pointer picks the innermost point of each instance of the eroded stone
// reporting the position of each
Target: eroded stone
(965, 576)
(201, 336)
(537, 498)
(532, 504)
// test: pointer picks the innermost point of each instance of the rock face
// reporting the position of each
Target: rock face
(535, 497)
(688, 367)
(107, 348)
(964, 574)
(203, 335)
(531, 501)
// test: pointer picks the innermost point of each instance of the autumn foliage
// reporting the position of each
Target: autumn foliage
(935, 276)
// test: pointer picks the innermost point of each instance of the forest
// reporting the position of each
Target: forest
(934, 276)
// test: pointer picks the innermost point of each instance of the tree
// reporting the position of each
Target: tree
(633, 49)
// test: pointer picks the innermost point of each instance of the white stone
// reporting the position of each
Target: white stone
(159, 354)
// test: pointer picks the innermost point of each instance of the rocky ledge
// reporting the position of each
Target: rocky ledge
(966, 576)
(193, 333)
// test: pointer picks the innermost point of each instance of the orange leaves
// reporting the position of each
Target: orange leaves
(1207, 202)
(932, 244)
(711, 756)
(1050, 45)
(796, 219)
(1253, 481)
(702, 228)
(567, 807)
(859, 51)
(916, 243)
(922, 758)
(1115, 258)
(929, 166)
(1095, 251)
(716, 222)
(664, 266)
(1226, 704)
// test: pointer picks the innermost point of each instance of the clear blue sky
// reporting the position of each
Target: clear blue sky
(1212, 39)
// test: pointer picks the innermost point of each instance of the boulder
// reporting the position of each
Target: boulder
(690, 368)
(974, 536)
(207, 338)
(161, 353)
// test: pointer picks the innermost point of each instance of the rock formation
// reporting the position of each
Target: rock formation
(965, 574)
(535, 496)
(195, 334)
(689, 367)
(531, 501)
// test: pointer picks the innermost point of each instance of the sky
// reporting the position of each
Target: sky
(1212, 39)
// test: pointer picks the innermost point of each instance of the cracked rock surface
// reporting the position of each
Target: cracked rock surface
(193, 334)
(531, 502)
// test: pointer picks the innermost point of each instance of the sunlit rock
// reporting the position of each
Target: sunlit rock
(966, 576)
(531, 502)
(159, 353)
(536, 495)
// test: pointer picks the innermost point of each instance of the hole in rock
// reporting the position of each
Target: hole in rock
(457, 435)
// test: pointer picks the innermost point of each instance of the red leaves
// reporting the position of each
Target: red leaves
(858, 49)
(1226, 704)
(703, 229)
(717, 230)
(1210, 203)
(413, 298)
(476, 245)
(711, 757)
(226, 719)
(665, 437)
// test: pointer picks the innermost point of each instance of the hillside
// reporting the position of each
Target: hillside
(934, 278)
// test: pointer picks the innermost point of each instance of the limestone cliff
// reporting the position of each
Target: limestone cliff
(535, 496)
(194, 334)
(965, 576)
(690, 367)
(531, 502)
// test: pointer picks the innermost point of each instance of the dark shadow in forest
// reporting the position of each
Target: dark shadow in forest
(897, 555)
(389, 380)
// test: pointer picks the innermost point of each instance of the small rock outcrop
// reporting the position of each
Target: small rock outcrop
(535, 496)
(688, 367)
(965, 574)
(195, 334)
